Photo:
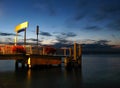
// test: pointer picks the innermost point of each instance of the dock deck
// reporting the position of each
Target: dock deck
(38, 56)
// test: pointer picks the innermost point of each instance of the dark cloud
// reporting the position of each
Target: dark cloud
(102, 42)
(64, 34)
(99, 16)
(100, 46)
(33, 40)
(114, 25)
(79, 16)
(63, 37)
(45, 33)
(107, 10)
(62, 40)
(7, 34)
(96, 28)
(111, 8)
(69, 34)
(91, 41)
(73, 21)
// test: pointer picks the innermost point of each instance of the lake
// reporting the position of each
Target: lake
(98, 71)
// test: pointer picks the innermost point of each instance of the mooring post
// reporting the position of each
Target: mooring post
(70, 52)
(75, 51)
(80, 55)
(64, 51)
(16, 64)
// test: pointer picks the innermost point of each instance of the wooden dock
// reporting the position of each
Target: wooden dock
(31, 58)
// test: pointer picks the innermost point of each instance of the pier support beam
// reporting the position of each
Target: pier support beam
(16, 64)
(79, 55)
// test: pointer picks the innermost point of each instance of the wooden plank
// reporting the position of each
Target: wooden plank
(12, 56)
(44, 60)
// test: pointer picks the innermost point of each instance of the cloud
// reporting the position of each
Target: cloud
(114, 25)
(62, 40)
(79, 16)
(92, 41)
(69, 34)
(107, 10)
(100, 46)
(79, 13)
(86, 41)
(32, 39)
(6, 40)
(49, 42)
(96, 46)
(99, 16)
(7, 34)
(93, 28)
(63, 37)
(102, 42)
(45, 33)
(111, 8)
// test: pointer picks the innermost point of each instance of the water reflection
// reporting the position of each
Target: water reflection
(98, 71)
(46, 78)
(55, 78)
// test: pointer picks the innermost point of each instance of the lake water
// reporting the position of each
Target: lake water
(98, 71)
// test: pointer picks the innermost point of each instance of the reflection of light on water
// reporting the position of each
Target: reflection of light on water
(28, 79)
(29, 74)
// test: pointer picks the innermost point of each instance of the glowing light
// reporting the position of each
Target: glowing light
(29, 62)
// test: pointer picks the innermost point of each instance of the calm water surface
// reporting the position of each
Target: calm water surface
(98, 71)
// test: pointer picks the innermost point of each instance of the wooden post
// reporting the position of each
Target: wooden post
(70, 51)
(64, 51)
(16, 64)
(80, 50)
(30, 49)
(75, 51)
(80, 56)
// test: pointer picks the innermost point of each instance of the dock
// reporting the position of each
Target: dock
(70, 57)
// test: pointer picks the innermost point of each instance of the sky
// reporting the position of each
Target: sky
(62, 21)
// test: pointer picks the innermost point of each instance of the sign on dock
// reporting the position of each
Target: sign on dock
(21, 27)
